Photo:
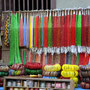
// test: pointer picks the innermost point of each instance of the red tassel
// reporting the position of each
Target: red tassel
(89, 32)
(68, 30)
(83, 31)
(38, 35)
(62, 59)
(73, 30)
(73, 59)
(21, 32)
(55, 31)
(45, 32)
(36, 30)
(86, 59)
(49, 61)
(62, 31)
(30, 57)
(81, 58)
(58, 31)
(65, 32)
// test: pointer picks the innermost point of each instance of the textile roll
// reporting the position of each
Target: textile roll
(68, 67)
(33, 72)
(52, 74)
(51, 68)
(33, 65)
(69, 73)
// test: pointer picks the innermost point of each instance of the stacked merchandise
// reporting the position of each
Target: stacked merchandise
(16, 70)
(1, 81)
(3, 72)
(52, 71)
(34, 70)
(85, 76)
(70, 71)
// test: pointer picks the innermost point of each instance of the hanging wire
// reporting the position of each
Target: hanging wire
(19, 5)
(32, 4)
(27, 4)
(37, 4)
(23, 5)
(46, 4)
(13, 5)
(4, 5)
(10, 5)
(42, 4)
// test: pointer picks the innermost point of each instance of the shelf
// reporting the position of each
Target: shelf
(34, 87)
(39, 80)
(16, 86)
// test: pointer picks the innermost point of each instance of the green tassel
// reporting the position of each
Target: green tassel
(12, 41)
(34, 32)
(77, 62)
(70, 58)
(50, 31)
(78, 30)
(24, 57)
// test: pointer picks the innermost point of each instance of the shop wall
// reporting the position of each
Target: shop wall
(72, 3)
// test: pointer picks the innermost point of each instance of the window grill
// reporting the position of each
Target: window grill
(16, 5)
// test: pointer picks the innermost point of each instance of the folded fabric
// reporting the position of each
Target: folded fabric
(4, 68)
(33, 65)
(4, 74)
(16, 73)
(52, 74)
(17, 67)
(33, 72)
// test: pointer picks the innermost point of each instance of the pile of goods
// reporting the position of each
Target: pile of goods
(16, 70)
(85, 76)
(70, 71)
(33, 69)
(3, 72)
(1, 81)
(52, 71)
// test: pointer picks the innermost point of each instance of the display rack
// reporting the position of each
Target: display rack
(38, 80)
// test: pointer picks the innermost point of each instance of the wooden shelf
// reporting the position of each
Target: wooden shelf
(34, 87)
(39, 80)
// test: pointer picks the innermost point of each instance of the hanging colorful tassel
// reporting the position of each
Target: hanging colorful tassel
(45, 32)
(55, 30)
(31, 31)
(38, 33)
(24, 30)
(36, 30)
(21, 32)
(58, 30)
(41, 31)
(50, 31)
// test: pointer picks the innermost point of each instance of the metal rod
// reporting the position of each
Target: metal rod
(37, 4)
(13, 5)
(9, 4)
(27, 4)
(0, 6)
(19, 5)
(23, 5)
(42, 4)
(46, 4)
(4, 5)
(32, 4)
(48, 10)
